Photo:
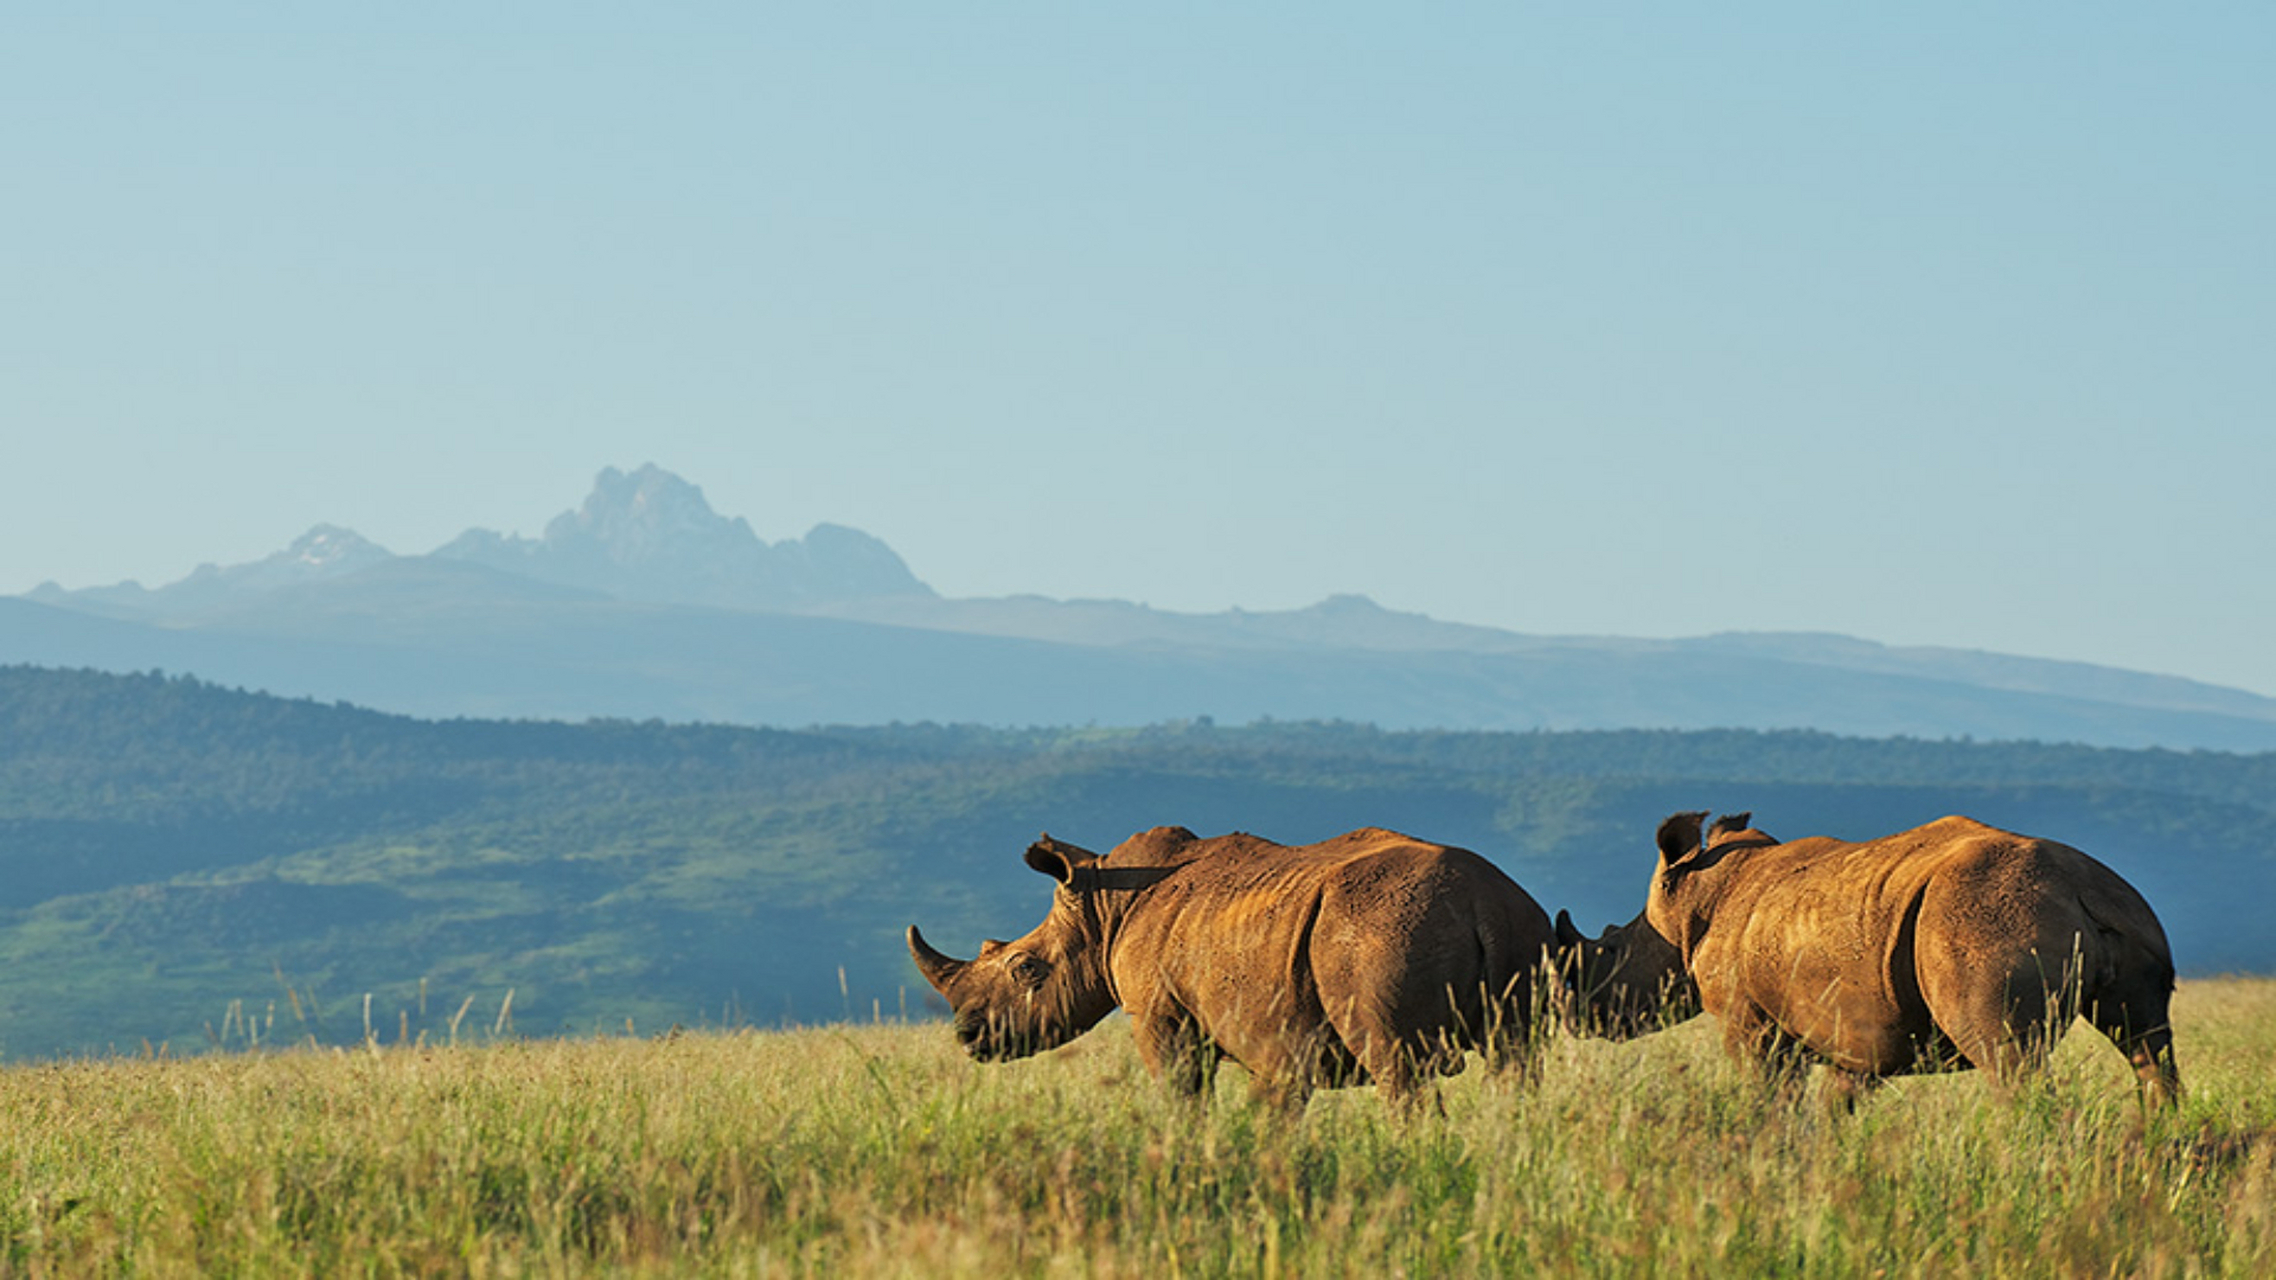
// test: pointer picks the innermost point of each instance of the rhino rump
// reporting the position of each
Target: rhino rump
(1383, 965)
(1950, 946)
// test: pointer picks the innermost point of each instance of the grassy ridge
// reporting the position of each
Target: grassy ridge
(879, 1150)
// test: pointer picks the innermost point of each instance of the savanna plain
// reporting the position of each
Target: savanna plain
(880, 1150)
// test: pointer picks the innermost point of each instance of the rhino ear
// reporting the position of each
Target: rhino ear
(1567, 935)
(1679, 835)
(1058, 859)
(1730, 824)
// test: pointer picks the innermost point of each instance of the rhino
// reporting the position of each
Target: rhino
(1371, 957)
(1626, 982)
(1951, 946)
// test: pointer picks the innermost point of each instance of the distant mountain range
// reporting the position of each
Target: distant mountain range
(647, 536)
(645, 603)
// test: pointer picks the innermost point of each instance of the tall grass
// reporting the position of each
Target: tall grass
(879, 1150)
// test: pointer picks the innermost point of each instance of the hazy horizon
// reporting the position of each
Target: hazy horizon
(1933, 327)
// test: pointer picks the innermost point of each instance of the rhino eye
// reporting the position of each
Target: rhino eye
(1029, 970)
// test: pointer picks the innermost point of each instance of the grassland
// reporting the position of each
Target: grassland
(879, 1150)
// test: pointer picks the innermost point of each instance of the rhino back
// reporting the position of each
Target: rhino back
(1252, 938)
(1417, 927)
(1822, 894)
(1854, 945)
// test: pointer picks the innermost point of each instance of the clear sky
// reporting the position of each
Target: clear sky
(1931, 324)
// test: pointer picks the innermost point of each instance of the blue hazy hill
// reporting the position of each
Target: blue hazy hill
(644, 602)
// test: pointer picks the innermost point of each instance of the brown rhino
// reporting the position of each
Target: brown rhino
(1369, 957)
(1626, 982)
(1950, 946)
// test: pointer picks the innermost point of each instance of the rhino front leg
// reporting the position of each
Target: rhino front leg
(1178, 1054)
(1778, 1059)
(1285, 1094)
(1845, 1087)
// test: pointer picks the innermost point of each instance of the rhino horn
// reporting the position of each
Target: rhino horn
(937, 968)
(1567, 935)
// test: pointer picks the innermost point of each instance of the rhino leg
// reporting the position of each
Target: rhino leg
(1845, 1087)
(1176, 1051)
(1309, 1054)
(1363, 1043)
(2128, 995)
(1404, 1073)
(1285, 1094)
(1508, 1039)
(1401, 1031)
(2139, 1027)
(1779, 1059)
(2154, 1067)
(2005, 1024)
(2006, 1036)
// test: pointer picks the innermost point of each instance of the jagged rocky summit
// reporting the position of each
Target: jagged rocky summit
(649, 535)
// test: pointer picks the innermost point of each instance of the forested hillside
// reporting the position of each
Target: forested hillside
(189, 865)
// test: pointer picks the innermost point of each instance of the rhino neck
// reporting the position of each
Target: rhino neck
(1106, 902)
(1687, 897)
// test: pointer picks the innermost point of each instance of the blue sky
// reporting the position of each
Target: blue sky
(1939, 325)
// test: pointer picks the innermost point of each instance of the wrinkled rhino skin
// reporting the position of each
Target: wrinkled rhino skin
(1950, 946)
(1368, 957)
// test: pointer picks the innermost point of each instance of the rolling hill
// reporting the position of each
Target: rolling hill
(181, 857)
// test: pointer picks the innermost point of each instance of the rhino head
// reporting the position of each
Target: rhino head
(1040, 991)
(1625, 982)
(1683, 885)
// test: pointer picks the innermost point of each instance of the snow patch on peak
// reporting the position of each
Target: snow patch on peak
(329, 546)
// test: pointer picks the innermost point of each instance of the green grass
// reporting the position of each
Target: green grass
(880, 1150)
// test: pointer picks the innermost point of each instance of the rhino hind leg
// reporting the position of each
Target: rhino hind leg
(2129, 1001)
(1405, 1075)
(1512, 1021)
(1192, 1074)
(1368, 1038)
(2136, 1021)
(2008, 1026)
(2005, 1024)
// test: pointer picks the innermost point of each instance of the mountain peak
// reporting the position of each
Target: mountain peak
(330, 547)
(326, 551)
(1348, 603)
(646, 516)
(650, 535)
